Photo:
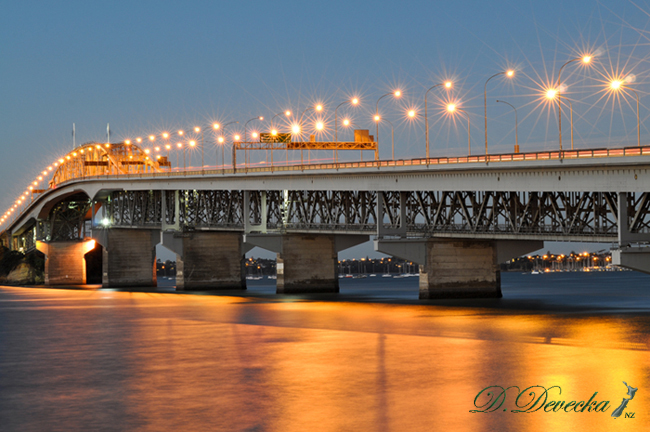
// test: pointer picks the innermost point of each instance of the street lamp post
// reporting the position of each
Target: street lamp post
(551, 94)
(586, 60)
(448, 85)
(286, 113)
(452, 109)
(392, 133)
(617, 85)
(222, 141)
(396, 93)
(260, 118)
(516, 125)
(318, 108)
(353, 101)
(509, 73)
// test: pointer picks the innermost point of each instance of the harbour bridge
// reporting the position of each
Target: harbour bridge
(457, 217)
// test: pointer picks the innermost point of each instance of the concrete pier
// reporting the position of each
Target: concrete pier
(64, 261)
(207, 260)
(306, 263)
(458, 268)
(129, 257)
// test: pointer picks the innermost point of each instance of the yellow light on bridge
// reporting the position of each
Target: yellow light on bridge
(147, 151)
(157, 149)
(44, 172)
(397, 93)
(74, 154)
(510, 73)
(67, 157)
(346, 122)
(61, 161)
(411, 113)
(261, 118)
(165, 135)
(152, 137)
(192, 143)
(179, 145)
(168, 147)
(451, 108)
(274, 132)
(220, 139)
(320, 126)
(237, 137)
(616, 84)
(287, 113)
(448, 84)
(180, 132)
(319, 107)
(586, 59)
(551, 94)
(254, 134)
(138, 140)
(355, 101)
(377, 118)
(295, 129)
(197, 129)
(127, 142)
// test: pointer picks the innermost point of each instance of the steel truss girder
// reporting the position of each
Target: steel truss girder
(571, 215)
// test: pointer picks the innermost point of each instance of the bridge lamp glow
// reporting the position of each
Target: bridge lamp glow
(168, 146)
(237, 137)
(261, 118)
(147, 151)
(448, 84)
(216, 126)
(355, 101)
(451, 108)
(197, 129)
(127, 142)
(157, 149)
(397, 93)
(274, 132)
(220, 139)
(377, 118)
(192, 143)
(179, 145)
(67, 157)
(44, 172)
(108, 145)
(31, 188)
(346, 122)
(138, 140)
(615, 84)
(180, 133)
(510, 73)
(152, 137)
(165, 135)
(287, 113)
(586, 59)
(56, 164)
(35, 183)
(61, 161)
(411, 113)
(105, 222)
(551, 94)
(320, 126)
(254, 134)
(98, 146)
(295, 129)
(74, 154)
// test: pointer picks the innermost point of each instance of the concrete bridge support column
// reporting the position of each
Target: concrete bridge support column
(207, 260)
(458, 268)
(129, 258)
(306, 263)
(64, 261)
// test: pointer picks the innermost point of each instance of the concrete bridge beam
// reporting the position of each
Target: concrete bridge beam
(306, 263)
(633, 257)
(457, 268)
(207, 260)
(129, 257)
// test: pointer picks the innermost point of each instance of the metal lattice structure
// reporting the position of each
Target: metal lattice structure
(567, 215)
(96, 159)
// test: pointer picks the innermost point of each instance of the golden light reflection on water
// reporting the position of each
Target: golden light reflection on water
(227, 363)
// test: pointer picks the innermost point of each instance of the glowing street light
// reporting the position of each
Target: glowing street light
(260, 118)
(448, 85)
(452, 109)
(221, 141)
(617, 85)
(516, 124)
(552, 94)
(586, 59)
(509, 73)
(396, 93)
(354, 101)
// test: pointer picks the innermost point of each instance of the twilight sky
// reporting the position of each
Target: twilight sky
(152, 66)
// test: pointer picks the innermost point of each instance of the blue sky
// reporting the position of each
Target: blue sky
(149, 66)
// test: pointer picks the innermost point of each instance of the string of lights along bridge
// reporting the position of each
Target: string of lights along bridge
(288, 130)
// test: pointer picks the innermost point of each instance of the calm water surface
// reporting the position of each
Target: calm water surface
(370, 358)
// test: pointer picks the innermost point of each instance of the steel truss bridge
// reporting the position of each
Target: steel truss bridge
(599, 195)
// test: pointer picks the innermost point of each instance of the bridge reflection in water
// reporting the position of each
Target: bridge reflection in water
(109, 360)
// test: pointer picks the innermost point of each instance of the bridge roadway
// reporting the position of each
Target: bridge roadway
(458, 218)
